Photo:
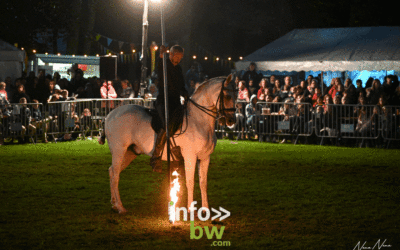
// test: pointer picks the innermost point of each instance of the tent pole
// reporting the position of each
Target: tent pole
(322, 81)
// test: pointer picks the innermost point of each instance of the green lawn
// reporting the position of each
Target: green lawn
(281, 196)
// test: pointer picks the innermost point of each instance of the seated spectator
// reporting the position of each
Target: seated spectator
(153, 91)
(243, 92)
(359, 88)
(126, 90)
(327, 100)
(337, 100)
(275, 104)
(25, 119)
(319, 101)
(263, 86)
(317, 93)
(284, 93)
(3, 91)
(20, 94)
(252, 88)
(251, 111)
(53, 88)
(332, 88)
(302, 88)
(38, 121)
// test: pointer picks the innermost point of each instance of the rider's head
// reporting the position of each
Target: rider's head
(176, 54)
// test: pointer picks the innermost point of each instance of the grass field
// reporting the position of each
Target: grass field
(56, 196)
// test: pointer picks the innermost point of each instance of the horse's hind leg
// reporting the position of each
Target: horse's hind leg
(120, 160)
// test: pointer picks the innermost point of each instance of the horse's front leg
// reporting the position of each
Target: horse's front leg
(203, 170)
(190, 167)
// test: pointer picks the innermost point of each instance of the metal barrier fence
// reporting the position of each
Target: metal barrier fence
(85, 117)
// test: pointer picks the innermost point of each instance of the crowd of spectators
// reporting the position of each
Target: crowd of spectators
(30, 91)
(299, 103)
(255, 92)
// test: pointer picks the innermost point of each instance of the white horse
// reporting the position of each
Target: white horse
(130, 134)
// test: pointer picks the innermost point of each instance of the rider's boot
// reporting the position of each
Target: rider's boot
(155, 160)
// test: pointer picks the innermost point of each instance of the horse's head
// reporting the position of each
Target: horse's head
(227, 102)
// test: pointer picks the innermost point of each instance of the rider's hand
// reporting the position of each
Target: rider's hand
(163, 50)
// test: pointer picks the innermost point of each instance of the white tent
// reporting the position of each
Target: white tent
(11, 61)
(330, 49)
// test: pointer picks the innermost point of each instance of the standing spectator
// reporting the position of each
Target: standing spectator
(251, 74)
(19, 94)
(333, 88)
(251, 113)
(375, 92)
(243, 92)
(9, 88)
(368, 84)
(389, 86)
(271, 81)
(192, 87)
(360, 88)
(56, 77)
(277, 88)
(288, 81)
(191, 74)
(126, 90)
(77, 84)
(309, 79)
(3, 91)
(309, 91)
(30, 80)
(107, 92)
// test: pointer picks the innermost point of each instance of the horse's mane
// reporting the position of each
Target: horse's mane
(203, 85)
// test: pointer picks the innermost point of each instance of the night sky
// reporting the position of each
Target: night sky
(223, 27)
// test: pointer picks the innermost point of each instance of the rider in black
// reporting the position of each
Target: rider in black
(176, 88)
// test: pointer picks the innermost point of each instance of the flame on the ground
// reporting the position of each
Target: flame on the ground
(174, 197)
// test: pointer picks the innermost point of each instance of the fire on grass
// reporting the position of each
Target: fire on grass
(173, 197)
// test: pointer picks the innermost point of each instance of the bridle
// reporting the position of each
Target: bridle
(220, 111)
(213, 111)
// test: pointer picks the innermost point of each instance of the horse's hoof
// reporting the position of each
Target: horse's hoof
(122, 211)
(119, 210)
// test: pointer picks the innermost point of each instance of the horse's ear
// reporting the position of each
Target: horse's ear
(228, 80)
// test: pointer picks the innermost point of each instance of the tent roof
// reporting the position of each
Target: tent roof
(90, 60)
(10, 53)
(330, 49)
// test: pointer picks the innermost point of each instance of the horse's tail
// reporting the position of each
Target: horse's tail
(102, 139)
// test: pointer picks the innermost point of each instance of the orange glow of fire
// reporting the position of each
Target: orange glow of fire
(174, 197)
